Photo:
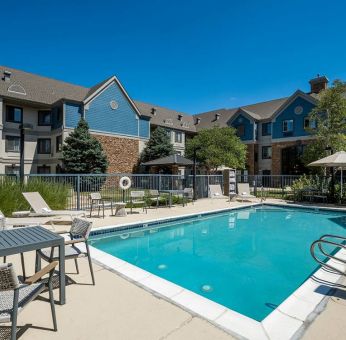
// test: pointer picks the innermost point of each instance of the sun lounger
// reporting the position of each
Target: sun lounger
(244, 192)
(215, 191)
(41, 208)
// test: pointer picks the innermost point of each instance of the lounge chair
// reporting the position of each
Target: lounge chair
(14, 296)
(138, 198)
(215, 191)
(244, 192)
(97, 202)
(41, 208)
(79, 233)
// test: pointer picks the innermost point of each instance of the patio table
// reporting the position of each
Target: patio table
(21, 240)
(171, 193)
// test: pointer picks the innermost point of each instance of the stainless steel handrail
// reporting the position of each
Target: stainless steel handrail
(320, 243)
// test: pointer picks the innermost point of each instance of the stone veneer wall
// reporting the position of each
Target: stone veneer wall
(122, 153)
(276, 154)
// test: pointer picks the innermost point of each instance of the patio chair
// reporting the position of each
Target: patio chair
(41, 208)
(138, 198)
(154, 196)
(215, 191)
(187, 196)
(14, 296)
(96, 201)
(79, 233)
(244, 192)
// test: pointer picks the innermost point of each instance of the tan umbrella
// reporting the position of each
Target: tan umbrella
(336, 160)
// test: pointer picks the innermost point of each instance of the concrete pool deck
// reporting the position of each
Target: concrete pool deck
(117, 308)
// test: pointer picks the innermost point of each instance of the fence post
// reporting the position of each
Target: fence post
(255, 185)
(78, 192)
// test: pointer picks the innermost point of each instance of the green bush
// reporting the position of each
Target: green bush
(11, 198)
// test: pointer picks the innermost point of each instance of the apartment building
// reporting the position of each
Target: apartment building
(274, 131)
(44, 111)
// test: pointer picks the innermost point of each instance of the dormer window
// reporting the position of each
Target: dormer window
(7, 75)
(217, 116)
(198, 120)
(180, 117)
(153, 111)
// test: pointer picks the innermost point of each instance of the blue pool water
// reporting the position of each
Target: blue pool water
(248, 260)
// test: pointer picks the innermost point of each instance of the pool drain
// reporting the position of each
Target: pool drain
(207, 288)
(161, 266)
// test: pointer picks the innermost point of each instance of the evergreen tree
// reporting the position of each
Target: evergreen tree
(82, 153)
(158, 146)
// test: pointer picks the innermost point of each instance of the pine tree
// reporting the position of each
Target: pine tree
(82, 153)
(158, 146)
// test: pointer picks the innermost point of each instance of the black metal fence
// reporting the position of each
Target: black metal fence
(80, 186)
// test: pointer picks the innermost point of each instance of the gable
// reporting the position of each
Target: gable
(111, 111)
(297, 110)
(242, 119)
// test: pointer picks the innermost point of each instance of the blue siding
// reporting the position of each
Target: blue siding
(73, 113)
(248, 126)
(298, 119)
(144, 127)
(124, 120)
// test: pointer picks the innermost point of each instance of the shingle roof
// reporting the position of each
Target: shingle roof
(39, 89)
(263, 110)
(167, 117)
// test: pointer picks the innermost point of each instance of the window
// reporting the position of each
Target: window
(43, 169)
(266, 129)
(12, 170)
(310, 123)
(266, 152)
(44, 118)
(287, 126)
(12, 144)
(43, 145)
(178, 137)
(14, 114)
(58, 143)
(266, 172)
(240, 130)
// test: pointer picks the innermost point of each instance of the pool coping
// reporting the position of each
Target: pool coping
(289, 320)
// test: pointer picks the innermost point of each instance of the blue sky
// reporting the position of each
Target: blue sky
(191, 56)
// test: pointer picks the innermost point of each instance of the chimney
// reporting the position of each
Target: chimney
(318, 84)
(153, 111)
(198, 120)
(7, 75)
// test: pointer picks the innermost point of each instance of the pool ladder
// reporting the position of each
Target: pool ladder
(338, 241)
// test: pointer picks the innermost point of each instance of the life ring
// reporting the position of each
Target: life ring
(125, 183)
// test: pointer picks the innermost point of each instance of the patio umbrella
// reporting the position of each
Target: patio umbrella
(336, 160)
(170, 160)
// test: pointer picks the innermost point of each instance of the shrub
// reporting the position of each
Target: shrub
(11, 198)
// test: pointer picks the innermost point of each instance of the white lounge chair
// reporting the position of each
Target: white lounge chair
(244, 192)
(215, 191)
(41, 208)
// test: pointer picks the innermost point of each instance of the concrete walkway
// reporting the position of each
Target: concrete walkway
(118, 309)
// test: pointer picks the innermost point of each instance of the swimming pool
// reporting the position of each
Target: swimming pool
(248, 260)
